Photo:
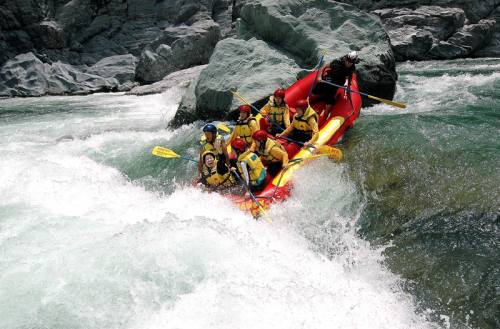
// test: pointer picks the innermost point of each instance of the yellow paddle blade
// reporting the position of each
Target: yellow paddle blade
(332, 152)
(164, 152)
(224, 128)
(388, 102)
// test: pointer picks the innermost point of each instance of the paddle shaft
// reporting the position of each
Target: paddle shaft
(254, 199)
(387, 101)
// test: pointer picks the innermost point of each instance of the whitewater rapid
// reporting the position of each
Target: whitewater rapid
(89, 239)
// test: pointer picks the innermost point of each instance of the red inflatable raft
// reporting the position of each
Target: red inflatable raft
(344, 113)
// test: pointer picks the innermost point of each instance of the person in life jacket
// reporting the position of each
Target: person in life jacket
(212, 142)
(271, 152)
(249, 165)
(277, 112)
(246, 125)
(304, 127)
(339, 72)
(215, 175)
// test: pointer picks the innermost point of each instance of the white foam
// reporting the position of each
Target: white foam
(83, 246)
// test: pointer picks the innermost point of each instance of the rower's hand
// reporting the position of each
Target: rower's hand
(308, 145)
(279, 135)
(233, 169)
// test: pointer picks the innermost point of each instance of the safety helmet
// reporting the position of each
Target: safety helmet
(245, 108)
(210, 128)
(260, 135)
(302, 103)
(352, 57)
(279, 93)
(239, 144)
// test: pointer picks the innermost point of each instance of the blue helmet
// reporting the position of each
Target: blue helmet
(210, 128)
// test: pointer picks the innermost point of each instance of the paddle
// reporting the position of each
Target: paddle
(254, 199)
(163, 152)
(224, 128)
(382, 100)
(315, 79)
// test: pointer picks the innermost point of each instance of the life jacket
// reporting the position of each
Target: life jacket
(277, 112)
(265, 152)
(256, 169)
(243, 130)
(213, 178)
(302, 129)
(206, 146)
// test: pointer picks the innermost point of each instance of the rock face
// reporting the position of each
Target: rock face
(178, 48)
(275, 41)
(26, 75)
(179, 78)
(432, 32)
(416, 35)
(165, 35)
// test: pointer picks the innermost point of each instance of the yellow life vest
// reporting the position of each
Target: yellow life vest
(216, 180)
(265, 152)
(256, 169)
(301, 123)
(243, 130)
(212, 177)
(277, 112)
(206, 146)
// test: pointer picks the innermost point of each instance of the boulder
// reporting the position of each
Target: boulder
(441, 22)
(252, 67)
(27, 75)
(304, 29)
(182, 78)
(120, 67)
(410, 43)
(465, 41)
(474, 10)
(432, 32)
(24, 75)
(178, 48)
(493, 48)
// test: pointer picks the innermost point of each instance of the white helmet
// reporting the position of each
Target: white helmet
(353, 56)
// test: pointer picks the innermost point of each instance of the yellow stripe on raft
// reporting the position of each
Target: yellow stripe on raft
(325, 134)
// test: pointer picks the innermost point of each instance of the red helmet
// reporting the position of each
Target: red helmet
(245, 108)
(302, 103)
(279, 93)
(239, 144)
(260, 135)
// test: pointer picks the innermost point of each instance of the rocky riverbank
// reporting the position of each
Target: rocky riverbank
(84, 46)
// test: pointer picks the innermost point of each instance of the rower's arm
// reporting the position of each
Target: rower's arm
(287, 131)
(286, 117)
(280, 154)
(254, 126)
(265, 110)
(244, 168)
(314, 127)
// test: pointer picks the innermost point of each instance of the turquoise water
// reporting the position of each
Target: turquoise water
(97, 233)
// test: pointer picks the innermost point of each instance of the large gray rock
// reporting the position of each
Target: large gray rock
(178, 48)
(182, 78)
(475, 10)
(307, 27)
(252, 67)
(120, 67)
(432, 32)
(465, 41)
(493, 48)
(26, 75)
